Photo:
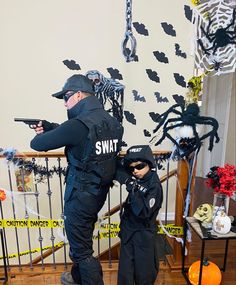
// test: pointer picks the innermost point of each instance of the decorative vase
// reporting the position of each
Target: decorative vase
(221, 223)
(220, 204)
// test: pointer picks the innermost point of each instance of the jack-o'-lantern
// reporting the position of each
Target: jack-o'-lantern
(211, 274)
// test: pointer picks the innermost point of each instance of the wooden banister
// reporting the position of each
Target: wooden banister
(61, 153)
(37, 154)
(45, 254)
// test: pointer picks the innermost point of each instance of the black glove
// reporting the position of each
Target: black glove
(131, 185)
(47, 126)
(121, 174)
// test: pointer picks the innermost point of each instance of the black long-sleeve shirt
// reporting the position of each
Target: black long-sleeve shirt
(72, 133)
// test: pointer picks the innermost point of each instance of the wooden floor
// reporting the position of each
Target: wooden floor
(110, 278)
(214, 251)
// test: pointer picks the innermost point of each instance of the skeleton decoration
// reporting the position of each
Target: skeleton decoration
(109, 92)
(215, 31)
(204, 213)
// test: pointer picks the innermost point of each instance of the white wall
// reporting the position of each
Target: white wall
(36, 36)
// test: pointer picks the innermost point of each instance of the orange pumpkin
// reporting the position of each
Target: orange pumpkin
(211, 274)
(2, 195)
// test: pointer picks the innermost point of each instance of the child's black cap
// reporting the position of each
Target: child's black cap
(140, 153)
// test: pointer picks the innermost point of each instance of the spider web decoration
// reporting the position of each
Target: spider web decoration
(109, 92)
(215, 31)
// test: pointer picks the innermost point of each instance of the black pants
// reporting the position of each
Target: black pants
(81, 210)
(138, 262)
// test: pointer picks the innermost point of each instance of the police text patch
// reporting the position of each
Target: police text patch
(107, 146)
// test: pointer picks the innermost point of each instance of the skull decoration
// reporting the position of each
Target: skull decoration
(204, 213)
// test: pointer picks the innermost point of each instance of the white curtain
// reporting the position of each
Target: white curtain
(218, 101)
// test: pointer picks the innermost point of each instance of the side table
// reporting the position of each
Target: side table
(195, 226)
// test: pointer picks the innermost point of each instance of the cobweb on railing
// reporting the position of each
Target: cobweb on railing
(215, 36)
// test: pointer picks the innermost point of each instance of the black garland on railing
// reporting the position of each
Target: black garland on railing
(41, 172)
(160, 159)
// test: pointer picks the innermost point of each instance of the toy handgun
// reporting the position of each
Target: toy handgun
(28, 122)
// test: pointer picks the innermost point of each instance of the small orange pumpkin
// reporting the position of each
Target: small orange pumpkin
(211, 274)
(2, 195)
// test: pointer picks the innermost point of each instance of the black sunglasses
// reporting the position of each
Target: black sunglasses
(67, 96)
(137, 167)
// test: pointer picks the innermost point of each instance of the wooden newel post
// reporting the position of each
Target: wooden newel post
(181, 191)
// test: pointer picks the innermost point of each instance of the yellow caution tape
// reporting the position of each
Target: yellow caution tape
(171, 229)
(31, 223)
(22, 253)
(113, 227)
(105, 231)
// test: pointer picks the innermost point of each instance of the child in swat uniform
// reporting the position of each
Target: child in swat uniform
(139, 262)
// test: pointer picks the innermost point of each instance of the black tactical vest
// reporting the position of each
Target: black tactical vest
(98, 165)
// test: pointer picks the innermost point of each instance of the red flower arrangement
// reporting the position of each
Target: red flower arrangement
(222, 179)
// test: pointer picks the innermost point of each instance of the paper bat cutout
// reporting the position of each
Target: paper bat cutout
(179, 99)
(114, 73)
(160, 99)
(160, 56)
(71, 64)
(130, 117)
(153, 75)
(146, 133)
(138, 97)
(168, 29)
(188, 12)
(179, 79)
(155, 116)
(179, 52)
(140, 28)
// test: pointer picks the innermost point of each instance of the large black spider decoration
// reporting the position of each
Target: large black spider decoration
(221, 37)
(189, 117)
(108, 91)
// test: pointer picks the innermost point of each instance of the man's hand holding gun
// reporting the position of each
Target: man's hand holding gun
(40, 126)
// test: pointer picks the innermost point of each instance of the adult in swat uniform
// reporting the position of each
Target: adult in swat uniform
(92, 139)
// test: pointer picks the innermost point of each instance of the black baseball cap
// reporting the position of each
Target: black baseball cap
(76, 82)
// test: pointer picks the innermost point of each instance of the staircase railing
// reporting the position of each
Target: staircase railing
(31, 215)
